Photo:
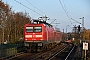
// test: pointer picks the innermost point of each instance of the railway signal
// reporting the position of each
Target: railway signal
(79, 28)
(85, 47)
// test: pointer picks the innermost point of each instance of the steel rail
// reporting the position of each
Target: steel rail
(70, 53)
(57, 53)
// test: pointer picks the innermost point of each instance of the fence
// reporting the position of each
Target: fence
(11, 49)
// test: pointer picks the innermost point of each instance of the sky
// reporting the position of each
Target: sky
(53, 9)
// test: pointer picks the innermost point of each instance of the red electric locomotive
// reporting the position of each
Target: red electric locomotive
(40, 35)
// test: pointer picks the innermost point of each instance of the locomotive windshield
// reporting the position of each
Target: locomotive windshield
(34, 29)
(29, 29)
(37, 29)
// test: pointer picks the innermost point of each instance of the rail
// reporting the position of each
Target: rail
(70, 53)
(44, 55)
(48, 55)
(63, 54)
(57, 53)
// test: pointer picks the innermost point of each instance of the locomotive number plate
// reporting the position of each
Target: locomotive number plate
(39, 44)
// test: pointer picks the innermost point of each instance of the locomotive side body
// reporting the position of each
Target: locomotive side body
(57, 36)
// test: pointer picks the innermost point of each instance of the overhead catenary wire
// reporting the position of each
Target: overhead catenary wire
(75, 20)
(65, 10)
(28, 7)
(35, 7)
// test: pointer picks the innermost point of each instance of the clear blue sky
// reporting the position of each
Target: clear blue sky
(53, 9)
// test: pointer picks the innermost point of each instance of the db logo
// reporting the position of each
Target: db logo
(34, 36)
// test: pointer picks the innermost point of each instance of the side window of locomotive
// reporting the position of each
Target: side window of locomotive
(38, 29)
(29, 29)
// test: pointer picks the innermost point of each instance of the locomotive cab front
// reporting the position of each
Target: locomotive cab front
(34, 35)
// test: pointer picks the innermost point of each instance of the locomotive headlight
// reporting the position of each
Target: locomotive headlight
(38, 35)
(28, 36)
(25, 39)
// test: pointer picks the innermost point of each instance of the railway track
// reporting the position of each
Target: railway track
(51, 54)
(66, 54)
(41, 55)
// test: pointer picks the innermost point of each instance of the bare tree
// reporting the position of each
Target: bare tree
(11, 23)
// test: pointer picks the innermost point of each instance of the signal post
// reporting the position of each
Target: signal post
(85, 48)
